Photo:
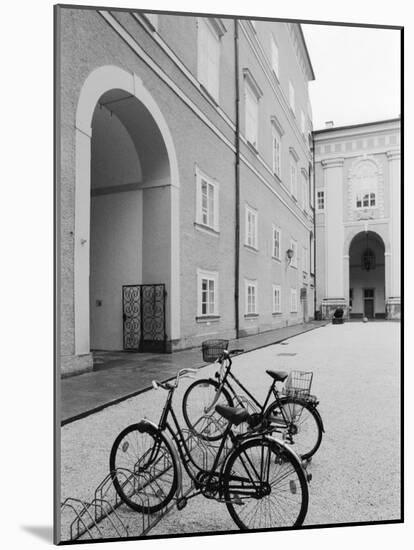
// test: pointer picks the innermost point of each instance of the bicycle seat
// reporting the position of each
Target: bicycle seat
(235, 415)
(278, 375)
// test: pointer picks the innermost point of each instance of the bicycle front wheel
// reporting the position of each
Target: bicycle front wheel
(265, 486)
(303, 426)
(143, 468)
(199, 412)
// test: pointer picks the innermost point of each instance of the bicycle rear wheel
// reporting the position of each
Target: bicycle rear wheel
(265, 486)
(143, 468)
(302, 424)
(199, 413)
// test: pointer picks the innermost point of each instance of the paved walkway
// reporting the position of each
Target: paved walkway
(119, 376)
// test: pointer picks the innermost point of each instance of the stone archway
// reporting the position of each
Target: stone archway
(367, 275)
(112, 84)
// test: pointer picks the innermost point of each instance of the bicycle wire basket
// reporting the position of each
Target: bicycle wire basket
(212, 349)
(298, 383)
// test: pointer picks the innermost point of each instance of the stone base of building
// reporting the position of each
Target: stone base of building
(329, 305)
(393, 307)
(75, 364)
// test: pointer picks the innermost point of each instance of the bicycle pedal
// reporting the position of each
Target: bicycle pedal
(237, 500)
(181, 503)
(292, 487)
(309, 477)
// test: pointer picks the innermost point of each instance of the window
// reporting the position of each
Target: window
(312, 252)
(293, 300)
(251, 297)
(251, 115)
(320, 200)
(291, 96)
(276, 242)
(366, 200)
(304, 259)
(251, 227)
(209, 55)
(277, 152)
(275, 57)
(294, 247)
(368, 259)
(277, 299)
(207, 201)
(302, 122)
(304, 191)
(293, 176)
(207, 303)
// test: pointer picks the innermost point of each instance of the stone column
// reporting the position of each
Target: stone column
(334, 237)
(394, 179)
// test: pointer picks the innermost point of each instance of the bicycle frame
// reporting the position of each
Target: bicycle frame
(181, 445)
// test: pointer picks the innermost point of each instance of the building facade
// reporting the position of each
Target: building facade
(185, 163)
(358, 219)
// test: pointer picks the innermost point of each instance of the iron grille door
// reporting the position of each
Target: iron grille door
(144, 318)
(131, 308)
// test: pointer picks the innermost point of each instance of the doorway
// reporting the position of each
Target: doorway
(369, 303)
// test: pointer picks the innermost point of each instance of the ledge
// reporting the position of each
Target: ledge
(206, 229)
(207, 318)
(276, 313)
(251, 315)
(251, 248)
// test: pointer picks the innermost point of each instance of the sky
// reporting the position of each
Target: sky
(357, 74)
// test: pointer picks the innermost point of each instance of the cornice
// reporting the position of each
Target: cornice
(333, 163)
(394, 154)
(252, 82)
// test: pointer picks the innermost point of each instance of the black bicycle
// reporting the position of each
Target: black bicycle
(293, 414)
(260, 479)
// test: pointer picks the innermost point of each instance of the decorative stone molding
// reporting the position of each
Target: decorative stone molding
(294, 153)
(217, 25)
(355, 214)
(252, 83)
(333, 163)
(395, 154)
(275, 121)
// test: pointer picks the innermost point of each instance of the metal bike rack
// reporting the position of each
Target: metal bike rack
(100, 517)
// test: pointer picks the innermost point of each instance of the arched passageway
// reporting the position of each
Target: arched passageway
(127, 209)
(367, 276)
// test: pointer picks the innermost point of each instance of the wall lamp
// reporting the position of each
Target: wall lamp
(289, 255)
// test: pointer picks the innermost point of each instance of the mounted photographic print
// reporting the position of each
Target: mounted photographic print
(228, 274)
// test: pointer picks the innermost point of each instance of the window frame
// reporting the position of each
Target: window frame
(294, 247)
(203, 274)
(212, 183)
(210, 83)
(318, 208)
(254, 212)
(277, 308)
(276, 229)
(253, 284)
(275, 57)
(292, 97)
(360, 197)
(293, 179)
(293, 300)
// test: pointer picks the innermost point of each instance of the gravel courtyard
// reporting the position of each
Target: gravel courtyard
(356, 472)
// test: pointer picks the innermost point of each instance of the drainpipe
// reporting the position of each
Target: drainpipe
(237, 176)
(314, 223)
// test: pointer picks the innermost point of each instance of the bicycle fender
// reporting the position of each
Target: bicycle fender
(288, 449)
(145, 423)
(317, 413)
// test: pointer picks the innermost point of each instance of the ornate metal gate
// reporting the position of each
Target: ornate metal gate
(143, 309)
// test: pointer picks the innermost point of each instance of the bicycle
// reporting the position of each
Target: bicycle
(293, 414)
(260, 479)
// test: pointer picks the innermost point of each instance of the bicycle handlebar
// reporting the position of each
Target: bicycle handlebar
(183, 373)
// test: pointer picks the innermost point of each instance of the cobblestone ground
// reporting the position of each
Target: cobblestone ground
(356, 472)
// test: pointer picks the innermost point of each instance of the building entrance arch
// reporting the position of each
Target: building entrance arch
(367, 288)
(126, 206)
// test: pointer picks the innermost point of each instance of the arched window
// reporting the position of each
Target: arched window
(368, 259)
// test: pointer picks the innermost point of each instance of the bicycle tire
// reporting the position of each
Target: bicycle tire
(146, 454)
(264, 465)
(305, 426)
(199, 395)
